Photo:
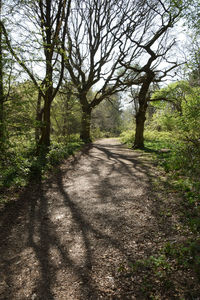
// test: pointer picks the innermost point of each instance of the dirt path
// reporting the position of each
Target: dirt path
(68, 237)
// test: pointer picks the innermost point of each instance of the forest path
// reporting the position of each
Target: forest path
(68, 238)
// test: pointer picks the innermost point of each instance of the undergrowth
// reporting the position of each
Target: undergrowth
(21, 164)
(181, 163)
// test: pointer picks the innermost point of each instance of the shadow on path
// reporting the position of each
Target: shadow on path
(80, 224)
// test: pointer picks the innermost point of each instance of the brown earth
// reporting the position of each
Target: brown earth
(75, 235)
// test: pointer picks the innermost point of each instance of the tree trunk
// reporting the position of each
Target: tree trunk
(139, 133)
(39, 113)
(141, 114)
(44, 141)
(2, 129)
(65, 128)
(85, 124)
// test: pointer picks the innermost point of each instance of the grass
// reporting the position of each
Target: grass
(181, 162)
(181, 165)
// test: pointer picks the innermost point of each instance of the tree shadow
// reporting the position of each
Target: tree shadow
(32, 235)
(149, 150)
(158, 208)
(38, 234)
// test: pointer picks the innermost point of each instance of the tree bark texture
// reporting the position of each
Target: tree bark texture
(2, 128)
(139, 133)
(39, 114)
(141, 114)
(85, 125)
(44, 141)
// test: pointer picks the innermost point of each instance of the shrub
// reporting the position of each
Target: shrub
(127, 137)
(21, 165)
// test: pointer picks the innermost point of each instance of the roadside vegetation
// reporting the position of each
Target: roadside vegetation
(75, 89)
(20, 161)
(173, 142)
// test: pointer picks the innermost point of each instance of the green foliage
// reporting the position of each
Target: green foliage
(20, 112)
(172, 97)
(186, 254)
(182, 117)
(183, 165)
(192, 15)
(159, 264)
(182, 162)
(164, 121)
(153, 269)
(106, 117)
(60, 151)
(21, 165)
(66, 114)
(96, 133)
(174, 91)
(190, 120)
(14, 167)
(127, 137)
(128, 119)
(164, 138)
(160, 268)
(154, 140)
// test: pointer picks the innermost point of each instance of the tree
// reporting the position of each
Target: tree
(179, 110)
(20, 109)
(97, 44)
(192, 24)
(48, 32)
(193, 62)
(174, 94)
(191, 15)
(6, 74)
(105, 39)
(66, 112)
(155, 46)
(1, 90)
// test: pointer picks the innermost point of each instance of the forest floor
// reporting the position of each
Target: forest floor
(94, 230)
